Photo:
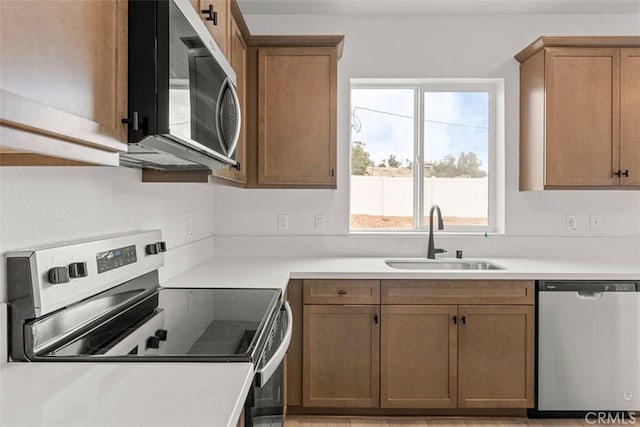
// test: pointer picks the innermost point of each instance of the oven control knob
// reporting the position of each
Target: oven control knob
(58, 275)
(156, 248)
(78, 269)
(153, 342)
(161, 334)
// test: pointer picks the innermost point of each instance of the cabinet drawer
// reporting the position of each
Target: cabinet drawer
(457, 292)
(341, 291)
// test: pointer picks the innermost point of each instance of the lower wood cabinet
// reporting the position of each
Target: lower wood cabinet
(457, 356)
(341, 348)
(419, 352)
(439, 352)
(495, 356)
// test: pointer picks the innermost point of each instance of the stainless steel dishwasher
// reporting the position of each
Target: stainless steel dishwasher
(588, 346)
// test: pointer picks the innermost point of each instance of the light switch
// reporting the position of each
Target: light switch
(320, 223)
(283, 222)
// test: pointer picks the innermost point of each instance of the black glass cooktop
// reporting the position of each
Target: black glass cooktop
(168, 323)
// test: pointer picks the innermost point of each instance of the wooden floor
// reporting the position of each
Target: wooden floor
(325, 421)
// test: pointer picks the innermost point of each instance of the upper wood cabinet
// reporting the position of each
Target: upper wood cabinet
(579, 109)
(296, 140)
(630, 115)
(291, 111)
(221, 27)
(63, 82)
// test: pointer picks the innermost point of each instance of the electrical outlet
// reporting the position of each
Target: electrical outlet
(571, 223)
(283, 222)
(320, 222)
(189, 226)
(595, 223)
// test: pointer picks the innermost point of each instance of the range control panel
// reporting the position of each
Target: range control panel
(115, 258)
(63, 274)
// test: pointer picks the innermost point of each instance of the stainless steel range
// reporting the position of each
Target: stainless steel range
(100, 300)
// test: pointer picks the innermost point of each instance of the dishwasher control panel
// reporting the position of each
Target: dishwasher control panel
(600, 286)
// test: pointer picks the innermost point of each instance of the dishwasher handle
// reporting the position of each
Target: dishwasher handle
(590, 295)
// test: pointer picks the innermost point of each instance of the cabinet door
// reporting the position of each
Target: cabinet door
(582, 108)
(64, 77)
(495, 356)
(297, 116)
(630, 115)
(238, 60)
(341, 356)
(418, 357)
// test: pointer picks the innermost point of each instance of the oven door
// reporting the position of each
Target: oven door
(265, 404)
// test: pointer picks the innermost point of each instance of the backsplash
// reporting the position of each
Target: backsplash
(47, 205)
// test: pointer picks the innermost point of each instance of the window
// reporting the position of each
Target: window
(401, 166)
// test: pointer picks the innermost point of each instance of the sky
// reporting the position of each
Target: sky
(454, 122)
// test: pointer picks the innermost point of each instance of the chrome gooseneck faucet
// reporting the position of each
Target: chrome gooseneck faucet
(431, 250)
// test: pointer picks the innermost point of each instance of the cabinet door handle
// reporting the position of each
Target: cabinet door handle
(213, 16)
(626, 173)
(464, 320)
(133, 121)
(342, 292)
(375, 319)
(455, 320)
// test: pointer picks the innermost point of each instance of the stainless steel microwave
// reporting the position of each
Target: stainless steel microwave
(183, 107)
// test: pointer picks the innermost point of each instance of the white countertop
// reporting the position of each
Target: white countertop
(123, 394)
(171, 394)
(275, 272)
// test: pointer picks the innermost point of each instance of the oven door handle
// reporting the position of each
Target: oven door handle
(264, 374)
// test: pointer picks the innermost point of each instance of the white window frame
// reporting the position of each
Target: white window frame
(496, 157)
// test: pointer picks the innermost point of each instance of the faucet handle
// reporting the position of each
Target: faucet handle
(439, 251)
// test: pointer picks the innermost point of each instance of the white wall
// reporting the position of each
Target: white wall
(433, 46)
(47, 205)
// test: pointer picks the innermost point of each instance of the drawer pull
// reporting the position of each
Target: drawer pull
(342, 292)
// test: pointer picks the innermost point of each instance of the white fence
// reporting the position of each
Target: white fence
(393, 196)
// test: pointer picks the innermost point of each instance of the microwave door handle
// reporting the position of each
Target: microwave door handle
(236, 132)
(264, 374)
(228, 149)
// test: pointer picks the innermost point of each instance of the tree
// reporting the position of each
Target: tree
(393, 162)
(467, 164)
(360, 158)
(382, 164)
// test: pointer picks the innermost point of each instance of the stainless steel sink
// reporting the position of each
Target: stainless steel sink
(435, 264)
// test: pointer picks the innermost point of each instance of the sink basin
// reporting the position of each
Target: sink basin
(435, 264)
